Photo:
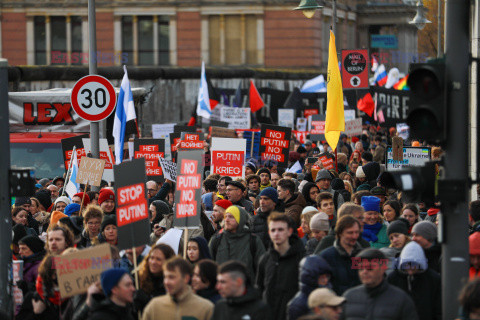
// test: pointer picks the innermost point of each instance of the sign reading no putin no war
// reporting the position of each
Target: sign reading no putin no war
(275, 143)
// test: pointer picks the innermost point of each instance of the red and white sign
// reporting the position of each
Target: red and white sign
(228, 157)
(132, 204)
(318, 127)
(188, 183)
(328, 160)
(353, 127)
(355, 69)
(93, 98)
(275, 143)
(191, 141)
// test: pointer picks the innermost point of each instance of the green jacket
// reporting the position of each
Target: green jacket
(383, 240)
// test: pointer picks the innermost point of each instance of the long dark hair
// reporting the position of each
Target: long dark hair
(306, 193)
(145, 277)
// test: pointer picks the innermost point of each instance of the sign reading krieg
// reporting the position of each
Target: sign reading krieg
(274, 143)
(151, 150)
(228, 163)
(188, 182)
(132, 204)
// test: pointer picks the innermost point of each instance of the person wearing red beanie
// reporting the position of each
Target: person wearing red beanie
(219, 212)
(77, 198)
(474, 244)
(106, 201)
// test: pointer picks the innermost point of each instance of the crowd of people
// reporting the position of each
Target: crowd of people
(313, 244)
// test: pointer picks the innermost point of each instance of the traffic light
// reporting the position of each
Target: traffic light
(427, 116)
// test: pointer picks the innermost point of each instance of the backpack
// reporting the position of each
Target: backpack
(218, 237)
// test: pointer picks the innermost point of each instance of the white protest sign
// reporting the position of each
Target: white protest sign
(412, 157)
(403, 130)
(302, 124)
(169, 169)
(295, 168)
(228, 157)
(353, 127)
(349, 114)
(162, 131)
(286, 118)
(106, 154)
(172, 238)
(237, 118)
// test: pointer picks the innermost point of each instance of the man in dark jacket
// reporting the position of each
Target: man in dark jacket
(119, 288)
(339, 257)
(422, 284)
(278, 268)
(239, 299)
(292, 202)
(235, 190)
(268, 201)
(376, 298)
(314, 273)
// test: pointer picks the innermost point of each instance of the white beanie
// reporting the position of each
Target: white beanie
(308, 209)
(320, 222)
(360, 173)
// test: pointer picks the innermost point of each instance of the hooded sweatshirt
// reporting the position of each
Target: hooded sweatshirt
(424, 287)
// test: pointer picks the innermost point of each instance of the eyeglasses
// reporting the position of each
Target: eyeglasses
(232, 189)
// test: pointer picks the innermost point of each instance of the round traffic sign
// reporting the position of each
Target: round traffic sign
(93, 98)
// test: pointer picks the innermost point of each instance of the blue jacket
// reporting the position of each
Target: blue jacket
(311, 267)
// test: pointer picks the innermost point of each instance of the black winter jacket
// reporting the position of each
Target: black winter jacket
(277, 276)
(107, 310)
(259, 227)
(239, 308)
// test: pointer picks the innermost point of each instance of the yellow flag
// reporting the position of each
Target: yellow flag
(335, 121)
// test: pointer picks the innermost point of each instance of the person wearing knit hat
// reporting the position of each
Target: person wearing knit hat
(250, 168)
(425, 234)
(374, 230)
(108, 230)
(111, 278)
(33, 243)
(360, 175)
(72, 209)
(61, 203)
(397, 232)
(77, 198)
(474, 250)
(32, 251)
(270, 193)
(55, 217)
(43, 196)
(323, 175)
(219, 212)
(265, 177)
(106, 200)
(268, 200)
(23, 202)
(59, 182)
(45, 182)
(74, 225)
(363, 187)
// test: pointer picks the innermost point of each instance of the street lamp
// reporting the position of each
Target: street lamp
(419, 20)
(308, 7)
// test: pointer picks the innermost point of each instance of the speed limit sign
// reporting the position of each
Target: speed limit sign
(93, 98)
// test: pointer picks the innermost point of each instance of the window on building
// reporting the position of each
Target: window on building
(232, 40)
(40, 44)
(127, 38)
(58, 31)
(163, 40)
(145, 40)
(77, 39)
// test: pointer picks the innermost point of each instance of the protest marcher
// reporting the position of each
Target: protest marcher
(79, 197)
(422, 284)
(58, 240)
(222, 185)
(53, 189)
(43, 197)
(268, 202)
(314, 272)
(278, 268)
(150, 275)
(108, 230)
(310, 192)
(469, 299)
(250, 167)
(323, 181)
(253, 186)
(152, 188)
(374, 230)
(32, 251)
(307, 214)
(92, 219)
(379, 154)
(204, 280)
(381, 194)
(237, 242)
(61, 203)
(180, 301)
(75, 225)
(239, 299)
(292, 202)
(340, 255)
(197, 249)
(265, 177)
(93, 196)
(325, 203)
(425, 234)
(219, 212)
(325, 304)
(234, 192)
(19, 216)
(158, 211)
(126, 261)
(319, 227)
(410, 213)
(58, 181)
(397, 232)
(274, 180)
(391, 210)
(119, 289)
(375, 298)
(106, 201)
(73, 209)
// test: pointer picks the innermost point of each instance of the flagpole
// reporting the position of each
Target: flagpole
(69, 170)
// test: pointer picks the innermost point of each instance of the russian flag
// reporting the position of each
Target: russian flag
(203, 104)
(316, 84)
(125, 112)
(374, 63)
(72, 187)
(381, 75)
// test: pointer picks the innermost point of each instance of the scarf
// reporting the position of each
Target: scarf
(265, 186)
(370, 231)
(55, 299)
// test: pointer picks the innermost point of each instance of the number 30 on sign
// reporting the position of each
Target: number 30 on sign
(93, 98)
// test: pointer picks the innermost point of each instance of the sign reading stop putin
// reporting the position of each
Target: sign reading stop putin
(275, 143)
(131, 204)
(93, 98)
(355, 69)
(228, 157)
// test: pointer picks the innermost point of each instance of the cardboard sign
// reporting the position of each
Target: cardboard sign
(275, 143)
(412, 157)
(90, 171)
(191, 141)
(131, 204)
(228, 157)
(328, 160)
(105, 154)
(76, 271)
(355, 69)
(222, 132)
(397, 148)
(169, 169)
(67, 148)
(151, 150)
(353, 127)
(317, 127)
(237, 118)
(286, 118)
(188, 195)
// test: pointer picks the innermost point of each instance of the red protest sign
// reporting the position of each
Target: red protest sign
(132, 204)
(309, 112)
(151, 150)
(355, 69)
(191, 141)
(228, 163)
(328, 161)
(274, 143)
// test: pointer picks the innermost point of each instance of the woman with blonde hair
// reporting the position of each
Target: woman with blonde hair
(92, 220)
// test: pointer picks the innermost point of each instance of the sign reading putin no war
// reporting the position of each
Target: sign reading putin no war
(131, 203)
(275, 143)
(189, 189)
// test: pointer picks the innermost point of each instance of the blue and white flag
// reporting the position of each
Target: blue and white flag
(72, 187)
(203, 104)
(125, 112)
(316, 84)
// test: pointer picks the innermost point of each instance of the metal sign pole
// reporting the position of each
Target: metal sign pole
(92, 69)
